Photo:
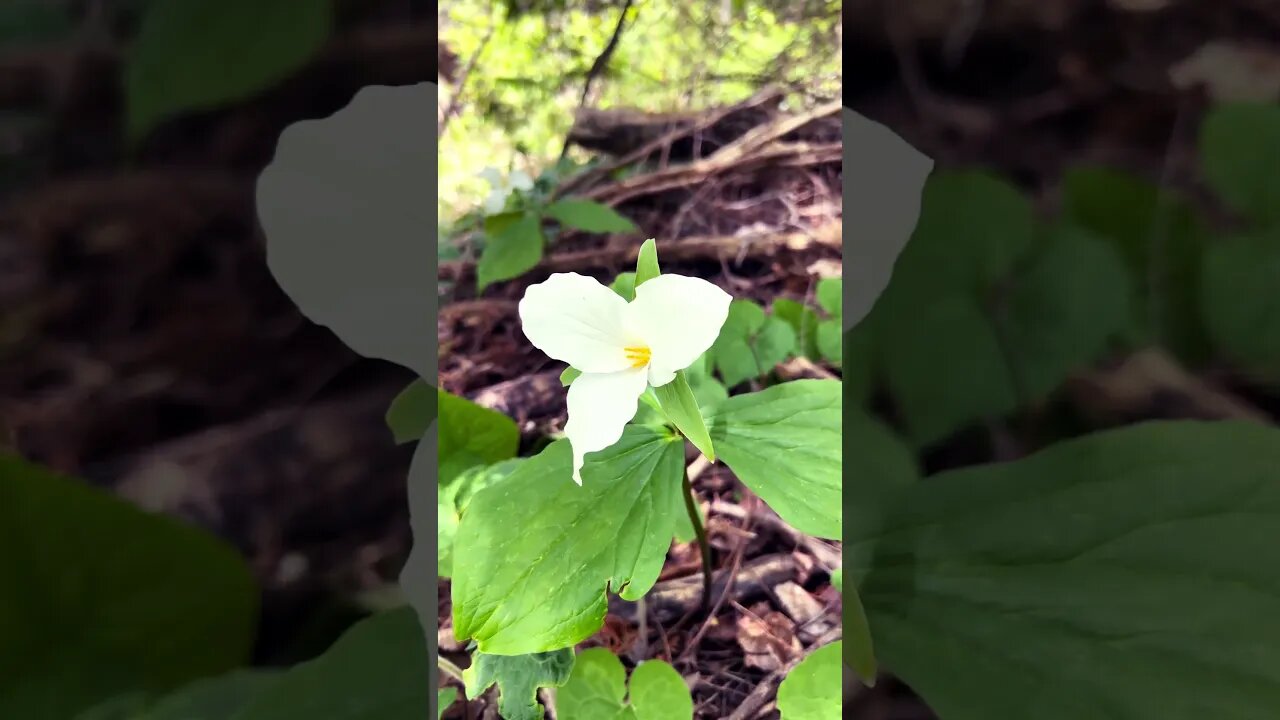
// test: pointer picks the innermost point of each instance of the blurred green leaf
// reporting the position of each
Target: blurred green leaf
(647, 262)
(588, 216)
(757, 435)
(1161, 240)
(1063, 310)
(412, 412)
(597, 690)
(830, 294)
(1242, 301)
(831, 342)
(98, 598)
(378, 670)
(218, 698)
(625, 285)
(568, 376)
(1239, 144)
(804, 321)
(750, 343)
(471, 435)
(445, 698)
(813, 690)
(518, 678)
(199, 54)
(1126, 574)
(511, 252)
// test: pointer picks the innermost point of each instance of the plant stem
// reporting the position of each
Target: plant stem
(448, 668)
(691, 506)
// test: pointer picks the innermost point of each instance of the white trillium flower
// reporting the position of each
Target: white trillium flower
(502, 188)
(620, 347)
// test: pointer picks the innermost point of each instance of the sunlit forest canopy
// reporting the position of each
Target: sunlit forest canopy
(521, 68)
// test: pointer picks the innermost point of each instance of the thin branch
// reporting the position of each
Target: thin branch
(601, 62)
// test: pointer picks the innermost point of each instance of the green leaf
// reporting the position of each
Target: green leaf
(597, 690)
(218, 698)
(858, 366)
(830, 294)
(518, 678)
(647, 262)
(785, 444)
(200, 54)
(451, 502)
(680, 405)
(937, 397)
(1239, 144)
(860, 653)
(804, 321)
(1063, 310)
(377, 670)
(625, 285)
(837, 579)
(751, 344)
(1161, 240)
(831, 341)
(512, 252)
(813, 689)
(1126, 574)
(1242, 304)
(412, 412)
(534, 555)
(129, 706)
(444, 699)
(877, 463)
(568, 376)
(178, 604)
(589, 216)
(471, 435)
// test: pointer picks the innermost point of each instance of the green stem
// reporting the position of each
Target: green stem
(691, 506)
(448, 668)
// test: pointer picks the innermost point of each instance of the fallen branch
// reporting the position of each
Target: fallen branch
(727, 248)
(671, 599)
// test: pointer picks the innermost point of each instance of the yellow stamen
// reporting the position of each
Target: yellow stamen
(638, 355)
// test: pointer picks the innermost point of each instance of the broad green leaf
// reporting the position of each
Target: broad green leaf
(1063, 310)
(199, 54)
(471, 435)
(1161, 240)
(444, 699)
(877, 463)
(452, 501)
(497, 224)
(412, 412)
(813, 689)
(1128, 574)
(837, 579)
(518, 678)
(1239, 144)
(535, 554)
(858, 367)
(860, 653)
(830, 294)
(597, 690)
(805, 323)
(940, 395)
(589, 216)
(378, 670)
(1242, 301)
(511, 252)
(178, 604)
(568, 376)
(625, 285)
(218, 698)
(751, 344)
(647, 262)
(831, 341)
(785, 444)
(973, 227)
(680, 405)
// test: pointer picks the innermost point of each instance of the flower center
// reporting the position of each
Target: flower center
(638, 355)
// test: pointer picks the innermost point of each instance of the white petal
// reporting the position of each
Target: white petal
(521, 181)
(576, 320)
(600, 405)
(492, 175)
(679, 318)
(495, 202)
